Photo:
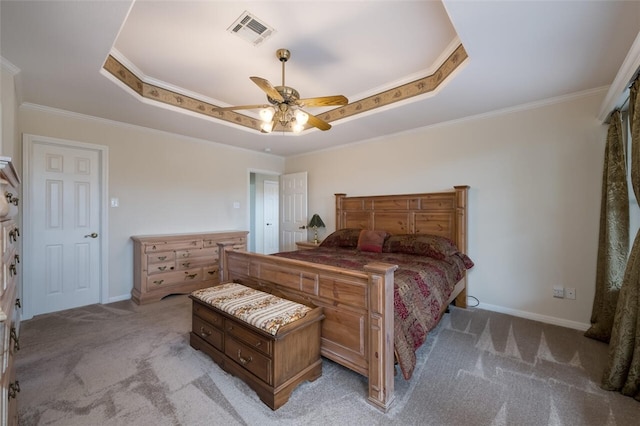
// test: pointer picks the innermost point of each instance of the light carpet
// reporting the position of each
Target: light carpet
(123, 364)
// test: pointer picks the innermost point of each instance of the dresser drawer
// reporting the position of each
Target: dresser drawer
(179, 277)
(239, 243)
(157, 268)
(167, 256)
(159, 246)
(9, 270)
(252, 339)
(208, 332)
(211, 273)
(250, 359)
(194, 261)
(211, 253)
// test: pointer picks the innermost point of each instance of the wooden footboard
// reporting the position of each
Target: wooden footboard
(357, 331)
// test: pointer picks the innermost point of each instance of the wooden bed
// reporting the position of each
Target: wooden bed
(358, 329)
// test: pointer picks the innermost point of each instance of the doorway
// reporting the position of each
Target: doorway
(264, 209)
(291, 207)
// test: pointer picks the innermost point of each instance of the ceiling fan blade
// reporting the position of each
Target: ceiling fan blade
(234, 108)
(267, 88)
(316, 122)
(323, 101)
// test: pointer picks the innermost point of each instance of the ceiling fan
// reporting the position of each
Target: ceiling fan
(286, 105)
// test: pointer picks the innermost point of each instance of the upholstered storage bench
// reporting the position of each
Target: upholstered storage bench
(271, 343)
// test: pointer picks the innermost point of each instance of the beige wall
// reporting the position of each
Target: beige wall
(9, 136)
(535, 177)
(165, 183)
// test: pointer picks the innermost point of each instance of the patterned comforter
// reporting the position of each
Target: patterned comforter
(422, 286)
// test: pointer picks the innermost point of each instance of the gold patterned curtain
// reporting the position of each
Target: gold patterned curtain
(613, 244)
(623, 369)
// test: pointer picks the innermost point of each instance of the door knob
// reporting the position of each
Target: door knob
(303, 227)
(92, 235)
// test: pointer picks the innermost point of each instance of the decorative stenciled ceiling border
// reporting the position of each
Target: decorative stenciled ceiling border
(415, 88)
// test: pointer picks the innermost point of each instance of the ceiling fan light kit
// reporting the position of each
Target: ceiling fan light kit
(286, 105)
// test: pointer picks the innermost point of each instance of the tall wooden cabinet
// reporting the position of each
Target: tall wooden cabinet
(178, 263)
(9, 301)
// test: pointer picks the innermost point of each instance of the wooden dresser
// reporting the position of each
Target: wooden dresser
(178, 263)
(9, 302)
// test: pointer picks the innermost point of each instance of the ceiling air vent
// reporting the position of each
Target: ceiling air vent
(251, 29)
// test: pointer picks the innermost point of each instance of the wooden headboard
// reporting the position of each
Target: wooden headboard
(436, 213)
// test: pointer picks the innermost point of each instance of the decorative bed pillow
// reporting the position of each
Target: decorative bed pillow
(371, 240)
(346, 238)
(421, 244)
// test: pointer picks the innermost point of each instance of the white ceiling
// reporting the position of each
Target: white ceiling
(518, 52)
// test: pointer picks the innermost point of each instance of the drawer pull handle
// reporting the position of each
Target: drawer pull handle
(16, 341)
(162, 257)
(14, 388)
(10, 198)
(18, 303)
(158, 282)
(243, 361)
(190, 276)
(186, 264)
(212, 272)
(13, 270)
(17, 258)
(185, 254)
(204, 333)
(162, 268)
(258, 344)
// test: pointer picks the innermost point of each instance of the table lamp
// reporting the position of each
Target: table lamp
(316, 223)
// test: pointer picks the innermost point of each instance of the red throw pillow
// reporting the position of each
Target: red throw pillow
(371, 240)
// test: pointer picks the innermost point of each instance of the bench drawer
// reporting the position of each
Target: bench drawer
(207, 315)
(250, 338)
(208, 332)
(249, 359)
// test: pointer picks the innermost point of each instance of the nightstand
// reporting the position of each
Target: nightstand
(307, 245)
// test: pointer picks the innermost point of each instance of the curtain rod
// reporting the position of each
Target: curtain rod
(625, 104)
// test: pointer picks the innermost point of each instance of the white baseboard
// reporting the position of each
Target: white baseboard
(536, 317)
(119, 298)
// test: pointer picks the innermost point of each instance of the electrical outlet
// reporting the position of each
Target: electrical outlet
(571, 293)
(558, 292)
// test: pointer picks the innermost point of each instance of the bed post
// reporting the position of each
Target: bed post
(339, 216)
(381, 336)
(461, 235)
(223, 270)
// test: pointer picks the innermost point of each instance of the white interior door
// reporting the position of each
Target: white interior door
(293, 212)
(64, 215)
(271, 222)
